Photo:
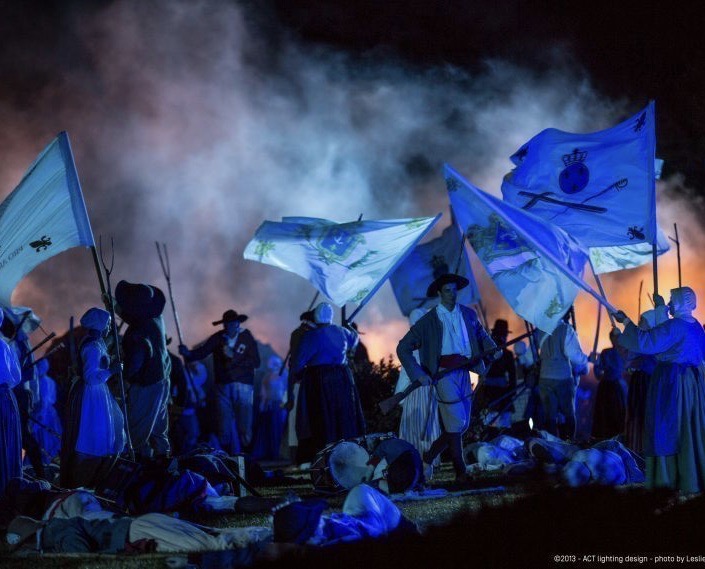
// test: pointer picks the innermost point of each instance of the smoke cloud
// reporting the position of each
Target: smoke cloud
(192, 122)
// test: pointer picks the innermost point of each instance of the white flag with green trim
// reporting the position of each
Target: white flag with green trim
(347, 262)
(535, 265)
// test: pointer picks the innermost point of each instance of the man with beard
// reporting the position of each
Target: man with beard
(235, 359)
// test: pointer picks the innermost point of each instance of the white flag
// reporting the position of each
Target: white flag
(43, 216)
(347, 262)
(535, 265)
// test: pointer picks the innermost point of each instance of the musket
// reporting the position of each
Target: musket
(388, 404)
(116, 338)
(59, 346)
(35, 348)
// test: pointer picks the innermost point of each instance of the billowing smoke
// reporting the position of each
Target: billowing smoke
(191, 125)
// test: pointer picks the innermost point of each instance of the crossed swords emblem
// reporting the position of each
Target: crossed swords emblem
(581, 206)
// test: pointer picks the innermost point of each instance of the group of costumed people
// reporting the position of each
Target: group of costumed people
(664, 406)
(660, 414)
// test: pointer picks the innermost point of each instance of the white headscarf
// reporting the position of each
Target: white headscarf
(683, 302)
(323, 313)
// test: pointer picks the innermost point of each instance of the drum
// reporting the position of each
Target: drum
(346, 463)
(340, 466)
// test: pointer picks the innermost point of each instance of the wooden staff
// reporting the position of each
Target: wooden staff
(166, 269)
(678, 252)
(641, 286)
(597, 330)
(116, 337)
(602, 290)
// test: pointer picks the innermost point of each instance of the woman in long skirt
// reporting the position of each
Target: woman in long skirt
(674, 429)
(10, 429)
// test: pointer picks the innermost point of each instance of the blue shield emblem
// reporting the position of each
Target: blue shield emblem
(336, 243)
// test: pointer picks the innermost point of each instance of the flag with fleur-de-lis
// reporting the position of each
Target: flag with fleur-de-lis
(347, 262)
(43, 216)
(599, 187)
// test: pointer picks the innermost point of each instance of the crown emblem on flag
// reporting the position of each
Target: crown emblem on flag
(575, 157)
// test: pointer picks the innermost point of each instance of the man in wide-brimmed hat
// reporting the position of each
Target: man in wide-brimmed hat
(446, 337)
(147, 367)
(235, 358)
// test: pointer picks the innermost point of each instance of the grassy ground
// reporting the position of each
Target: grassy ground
(491, 491)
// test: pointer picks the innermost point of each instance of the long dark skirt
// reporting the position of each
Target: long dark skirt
(328, 409)
(10, 438)
(636, 405)
(70, 434)
(269, 429)
(609, 411)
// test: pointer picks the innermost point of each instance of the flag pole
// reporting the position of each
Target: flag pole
(116, 344)
(393, 268)
(597, 330)
(678, 252)
(79, 203)
(652, 180)
(532, 341)
(480, 306)
(602, 290)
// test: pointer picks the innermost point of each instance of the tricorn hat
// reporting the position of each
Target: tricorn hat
(501, 326)
(230, 316)
(436, 285)
(139, 301)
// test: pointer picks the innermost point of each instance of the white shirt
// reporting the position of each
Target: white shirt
(455, 334)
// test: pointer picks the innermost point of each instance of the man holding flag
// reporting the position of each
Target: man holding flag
(446, 337)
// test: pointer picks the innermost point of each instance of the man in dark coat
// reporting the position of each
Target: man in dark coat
(447, 336)
(147, 367)
(235, 359)
(500, 380)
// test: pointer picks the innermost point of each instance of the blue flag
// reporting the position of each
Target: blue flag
(425, 263)
(535, 265)
(599, 187)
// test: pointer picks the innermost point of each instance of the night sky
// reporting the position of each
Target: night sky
(192, 122)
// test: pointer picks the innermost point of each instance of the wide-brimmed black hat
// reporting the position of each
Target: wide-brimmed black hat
(501, 326)
(296, 522)
(231, 316)
(436, 285)
(137, 301)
